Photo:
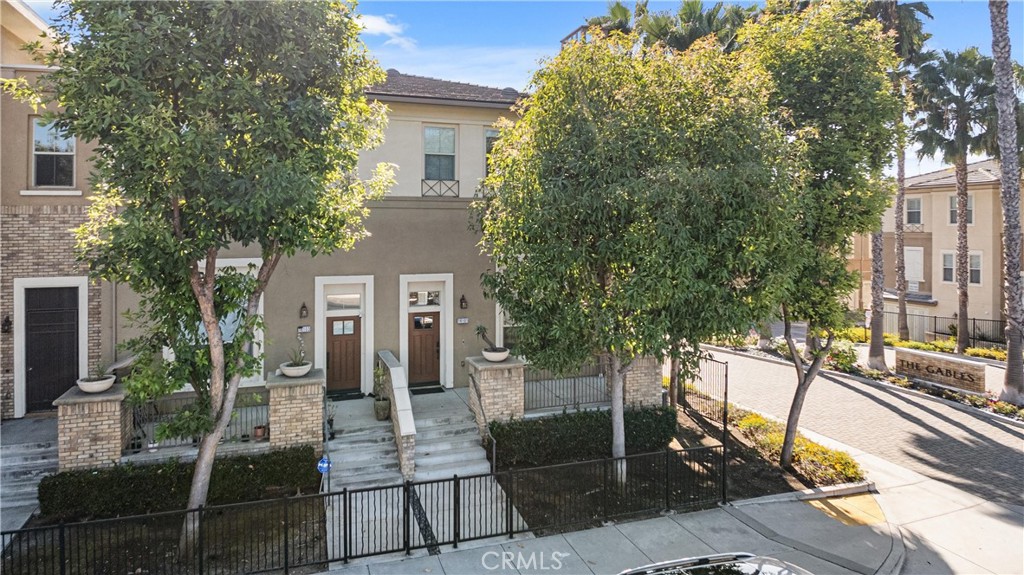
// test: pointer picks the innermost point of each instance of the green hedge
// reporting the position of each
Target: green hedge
(138, 489)
(579, 436)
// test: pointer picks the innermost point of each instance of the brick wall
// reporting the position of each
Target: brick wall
(501, 387)
(296, 410)
(90, 430)
(36, 241)
(643, 383)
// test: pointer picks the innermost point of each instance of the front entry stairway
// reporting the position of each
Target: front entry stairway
(447, 441)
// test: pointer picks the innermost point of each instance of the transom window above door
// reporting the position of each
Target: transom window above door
(344, 302)
(421, 298)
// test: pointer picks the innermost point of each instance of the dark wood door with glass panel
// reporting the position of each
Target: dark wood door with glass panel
(51, 345)
(424, 348)
(343, 353)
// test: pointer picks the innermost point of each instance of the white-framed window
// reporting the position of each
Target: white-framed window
(973, 267)
(439, 153)
(913, 210)
(490, 137)
(53, 156)
(913, 258)
(970, 209)
(948, 267)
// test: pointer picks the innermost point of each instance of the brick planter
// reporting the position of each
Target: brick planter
(90, 428)
(296, 410)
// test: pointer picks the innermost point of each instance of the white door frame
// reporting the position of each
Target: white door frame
(447, 367)
(366, 314)
(20, 285)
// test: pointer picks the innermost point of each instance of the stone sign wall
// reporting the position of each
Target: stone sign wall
(941, 368)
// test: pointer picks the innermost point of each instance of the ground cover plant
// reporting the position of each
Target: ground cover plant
(817, 464)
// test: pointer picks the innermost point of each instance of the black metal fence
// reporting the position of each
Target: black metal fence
(546, 390)
(249, 414)
(304, 534)
(930, 327)
(707, 394)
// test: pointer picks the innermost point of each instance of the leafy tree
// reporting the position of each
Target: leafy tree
(903, 24)
(644, 198)
(216, 124)
(1009, 117)
(954, 93)
(827, 53)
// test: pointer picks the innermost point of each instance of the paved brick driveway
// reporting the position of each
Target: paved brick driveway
(972, 452)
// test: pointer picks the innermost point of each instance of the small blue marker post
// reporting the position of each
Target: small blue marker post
(324, 465)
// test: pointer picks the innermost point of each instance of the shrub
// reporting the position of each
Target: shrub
(986, 352)
(854, 334)
(139, 489)
(1004, 408)
(842, 356)
(978, 401)
(817, 463)
(735, 340)
(782, 348)
(890, 339)
(944, 345)
(579, 436)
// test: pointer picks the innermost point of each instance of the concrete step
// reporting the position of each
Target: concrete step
(30, 458)
(346, 479)
(454, 456)
(18, 448)
(24, 472)
(423, 423)
(15, 494)
(442, 444)
(365, 468)
(350, 455)
(447, 470)
(446, 431)
(361, 428)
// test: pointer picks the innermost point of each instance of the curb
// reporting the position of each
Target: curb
(880, 385)
(811, 494)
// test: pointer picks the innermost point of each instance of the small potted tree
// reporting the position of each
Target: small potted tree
(101, 379)
(381, 401)
(297, 366)
(492, 352)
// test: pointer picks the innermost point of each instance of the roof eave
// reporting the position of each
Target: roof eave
(439, 101)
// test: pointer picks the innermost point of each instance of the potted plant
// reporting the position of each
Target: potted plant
(381, 402)
(297, 366)
(492, 352)
(99, 380)
(259, 432)
(330, 422)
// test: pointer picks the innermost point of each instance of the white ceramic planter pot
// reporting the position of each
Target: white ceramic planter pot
(496, 356)
(90, 385)
(289, 370)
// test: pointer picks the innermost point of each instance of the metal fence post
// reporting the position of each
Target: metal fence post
(63, 566)
(725, 438)
(200, 536)
(345, 527)
(405, 517)
(286, 537)
(604, 489)
(508, 503)
(455, 510)
(667, 490)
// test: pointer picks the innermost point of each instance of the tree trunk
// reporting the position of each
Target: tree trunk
(804, 380)
(673, 379)
(962, 256)
(618, 419)
(876, 351)
(1013, 285)
(901, 265)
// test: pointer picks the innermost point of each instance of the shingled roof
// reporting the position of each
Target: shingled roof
(984, 172)
(400, 86)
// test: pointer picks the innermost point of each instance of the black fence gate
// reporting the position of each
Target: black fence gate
(706, 399)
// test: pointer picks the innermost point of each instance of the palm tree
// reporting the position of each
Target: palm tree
(1008, 114)
(903, 22)
(953, 92)
(619, 18)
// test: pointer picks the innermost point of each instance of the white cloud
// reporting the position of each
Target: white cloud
(385, 25)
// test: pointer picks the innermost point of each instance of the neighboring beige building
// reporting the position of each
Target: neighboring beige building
(930, 244)
(412, 287)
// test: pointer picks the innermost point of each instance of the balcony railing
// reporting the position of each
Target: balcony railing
(440, 188)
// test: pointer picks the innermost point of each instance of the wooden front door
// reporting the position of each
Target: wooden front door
(424, 347)
(343, 352)
(51, 345)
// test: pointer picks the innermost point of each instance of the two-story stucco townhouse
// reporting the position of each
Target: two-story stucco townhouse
(930, 245)
(412, 287)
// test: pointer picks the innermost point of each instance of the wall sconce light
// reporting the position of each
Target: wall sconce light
(6, 325)
(463, 304)
(303, 311)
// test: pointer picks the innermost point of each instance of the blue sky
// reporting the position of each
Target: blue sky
(501, 43)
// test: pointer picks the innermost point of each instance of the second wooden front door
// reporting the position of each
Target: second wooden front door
(424, 347)
(344, 348)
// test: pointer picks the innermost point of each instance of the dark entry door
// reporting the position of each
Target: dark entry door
(424, 348)
(343, 352)
(51, 345)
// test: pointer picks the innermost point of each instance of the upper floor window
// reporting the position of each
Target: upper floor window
(490, 137)
(947, 267)
(53, 156)
(974, 269)
(913, 210)
(439, 150)
(970, 209)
